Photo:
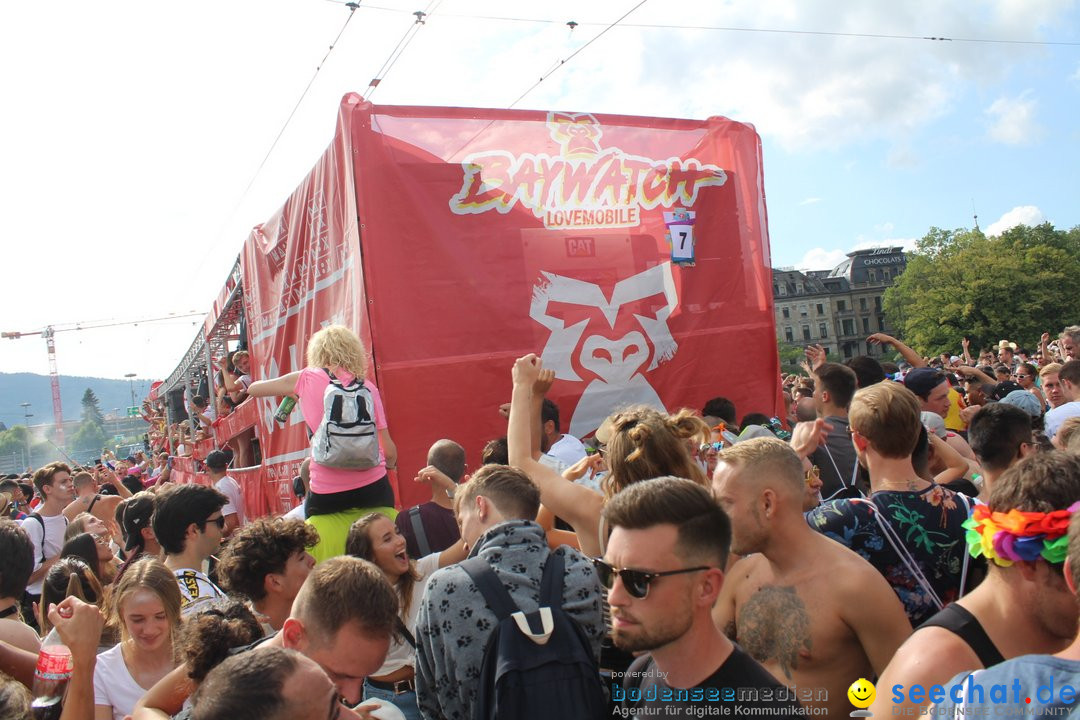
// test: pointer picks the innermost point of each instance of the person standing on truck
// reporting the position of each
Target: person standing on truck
(337, 353)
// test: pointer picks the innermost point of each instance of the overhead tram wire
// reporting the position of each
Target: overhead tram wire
(573, 54)
(401, 47)
(232, 213)
(723, 28)
(558, 64)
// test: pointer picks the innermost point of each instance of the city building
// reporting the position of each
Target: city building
(837, 308)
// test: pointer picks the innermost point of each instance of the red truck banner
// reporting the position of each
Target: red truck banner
(630, 253)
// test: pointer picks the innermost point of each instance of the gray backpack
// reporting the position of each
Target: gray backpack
(346, 437)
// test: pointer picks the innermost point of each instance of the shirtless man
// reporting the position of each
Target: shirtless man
(1024, 608)
(89, 500)
(813, 612)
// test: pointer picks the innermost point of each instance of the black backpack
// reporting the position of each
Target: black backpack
(538, 665)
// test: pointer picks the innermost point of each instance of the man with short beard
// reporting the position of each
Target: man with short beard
(811, 611)
(1023, 606)
(664, 570)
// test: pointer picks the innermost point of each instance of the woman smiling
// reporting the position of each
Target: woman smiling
(146, 607)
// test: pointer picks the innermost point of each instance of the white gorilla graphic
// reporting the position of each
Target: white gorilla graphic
(618, 363)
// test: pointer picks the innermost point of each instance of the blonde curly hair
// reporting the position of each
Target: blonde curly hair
(337, 346)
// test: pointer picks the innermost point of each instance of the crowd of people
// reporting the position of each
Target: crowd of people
(915, 525)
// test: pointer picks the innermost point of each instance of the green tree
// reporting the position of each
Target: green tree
(91, 409)
(960, 283)
(89, 436)
(790, 356)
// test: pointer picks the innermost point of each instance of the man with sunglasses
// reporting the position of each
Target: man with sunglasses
(813, 612)
(189, 526)
(663, 568)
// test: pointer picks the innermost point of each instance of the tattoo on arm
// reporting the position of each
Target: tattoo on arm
(774, 626)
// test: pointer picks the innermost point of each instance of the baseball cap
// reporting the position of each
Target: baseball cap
(922, 380)
(1004, 388)
(934, 423)
(137, 512)
(1025, 401)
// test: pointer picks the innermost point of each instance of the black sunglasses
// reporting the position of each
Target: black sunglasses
(636, 582)
(219, 521)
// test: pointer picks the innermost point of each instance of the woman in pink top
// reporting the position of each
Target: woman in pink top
(337, 350)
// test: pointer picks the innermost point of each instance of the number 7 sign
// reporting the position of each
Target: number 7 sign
(680, 235)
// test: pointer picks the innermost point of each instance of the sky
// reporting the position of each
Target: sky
(135, 142)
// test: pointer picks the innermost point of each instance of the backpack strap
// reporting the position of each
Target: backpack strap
(500, 602)
(418, 531)
(97, 496)
(403, 630)
(967, 556)
(551, 585)
(41, 521)
(489, 585)
(901, 550)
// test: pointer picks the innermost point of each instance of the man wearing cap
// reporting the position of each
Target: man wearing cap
(1007, 354)
(1069, 377)
(217, 464)
(932, 388)
(139, 539)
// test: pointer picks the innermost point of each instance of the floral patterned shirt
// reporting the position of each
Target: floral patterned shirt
(927, 522)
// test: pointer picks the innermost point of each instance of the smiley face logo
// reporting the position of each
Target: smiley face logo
(861, 693)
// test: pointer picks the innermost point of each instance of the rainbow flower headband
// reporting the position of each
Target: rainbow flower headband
(1017, 536)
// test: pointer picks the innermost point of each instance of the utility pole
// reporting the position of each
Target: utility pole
(131, 382)
(26, 421)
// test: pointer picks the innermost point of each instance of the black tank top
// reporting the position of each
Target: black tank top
(959, 621)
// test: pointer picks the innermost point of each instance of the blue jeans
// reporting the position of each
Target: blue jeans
(405, 702)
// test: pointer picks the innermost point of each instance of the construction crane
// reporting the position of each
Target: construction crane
(49, 331)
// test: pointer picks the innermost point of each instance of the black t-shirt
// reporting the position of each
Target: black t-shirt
(739, 683)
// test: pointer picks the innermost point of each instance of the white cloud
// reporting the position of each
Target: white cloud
(1022, 215)
(810, 201)
(821, 259)
(1075, 77)
(1013, 119)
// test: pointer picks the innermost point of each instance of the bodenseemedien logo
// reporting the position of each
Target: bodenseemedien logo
(861, 694)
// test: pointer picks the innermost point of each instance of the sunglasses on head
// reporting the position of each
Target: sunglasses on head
(636, 582)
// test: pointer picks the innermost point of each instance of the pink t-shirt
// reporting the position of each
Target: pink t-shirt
(311, 386)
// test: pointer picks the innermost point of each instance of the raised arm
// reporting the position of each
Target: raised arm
(976, 373)
(913, 358)
(574, 503)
